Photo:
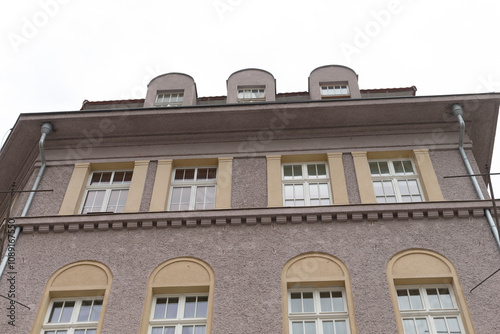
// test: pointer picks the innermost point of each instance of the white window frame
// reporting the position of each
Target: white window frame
(73, 324)
(261, 90)
(427, 312)
(336, 90)
(180, 320)
(172, 98)
(394, 178)
(194, 184)
(305, 181)
(106, 187)
(318, 316)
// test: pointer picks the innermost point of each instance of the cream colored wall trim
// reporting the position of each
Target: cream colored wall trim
(420, 266)
(337, 178)
(274, 189)
(161, 186)
(76, 189)
(136, 189)
(363, 176)
(315, 270)
(79, 279)
(179, 275)
(224, 179)
(427, 175)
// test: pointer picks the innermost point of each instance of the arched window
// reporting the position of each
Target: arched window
(74, 300)
(317, 296)
(179, 298)
(426, 294)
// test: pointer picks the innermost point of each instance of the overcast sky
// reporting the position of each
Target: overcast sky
(57, 53)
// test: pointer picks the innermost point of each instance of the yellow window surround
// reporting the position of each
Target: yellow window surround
(335, 169)
(176, 276)
(423, 164)
(78, 279)
(161, 189)
(316, 270)
(423, 267)
(81, 173)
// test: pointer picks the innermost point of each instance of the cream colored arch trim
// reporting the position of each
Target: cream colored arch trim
(180, 275)
(78, 279)
(420, 266)
(315, 270)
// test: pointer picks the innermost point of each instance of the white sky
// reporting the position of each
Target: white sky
(56, 53)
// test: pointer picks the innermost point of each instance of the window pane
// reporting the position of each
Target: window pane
(388, 190)
(408, 167)
(161, 305)
(205, 198)
(422, 327)
(403, 187)
(297, 328)
(296, 302)
(311, 171)
(201, 309)
(313, 190)
(202, 174)
(297, 171)
(172, 307)
(67, 311)
(299, 191)
(384, 168)
(398, 167)
(96, 310)
(169, 330)
(199, 330)
(287, 172)
(187, 329)
(413, 187)
(117, 201)
(190, 307)
(340, 327)
(308, 302)
(433, 298)
(79, 331)
(409, 326)
(94, 200)
(326, 304)
(440, 325)
(179, 174)
(321, 170)
(323, 190)
(85, 310)
(338, 302)
(445, 297)
(416, 301)
(180, 198)
(157, 330)
(403, 300)
(310, 327)
(377, 188)
(374, 168)
(189, 174)
(453, 325)
(56, 312)
(212, 173)
(328, 327)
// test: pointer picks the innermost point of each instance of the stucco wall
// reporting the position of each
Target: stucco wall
(249, 184)
(247, 261)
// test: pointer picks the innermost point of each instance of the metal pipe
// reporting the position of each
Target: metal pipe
(45, 130)
(457, 111)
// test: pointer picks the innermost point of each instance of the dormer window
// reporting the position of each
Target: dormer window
(329, 91)
(169, 99)
(249, 95)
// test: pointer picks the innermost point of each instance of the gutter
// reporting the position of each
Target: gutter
(45, 130)
(457, 111)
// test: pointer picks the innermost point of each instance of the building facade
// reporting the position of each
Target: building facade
(326, 211)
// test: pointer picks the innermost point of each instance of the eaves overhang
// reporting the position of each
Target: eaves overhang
(480, 114)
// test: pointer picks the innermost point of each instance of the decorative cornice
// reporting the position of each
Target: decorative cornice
(264, 216)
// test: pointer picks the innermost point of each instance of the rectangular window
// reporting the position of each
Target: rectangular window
(429, 310)
(248, 95)
(73, 316)
(193, 189)
(318, 311)
(179, 314)
(334, 90)
(395, 181)
(306, 184)
(169, 99)
(107, 191)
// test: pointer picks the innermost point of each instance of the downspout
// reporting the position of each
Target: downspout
(45, 130)
(457, 111)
